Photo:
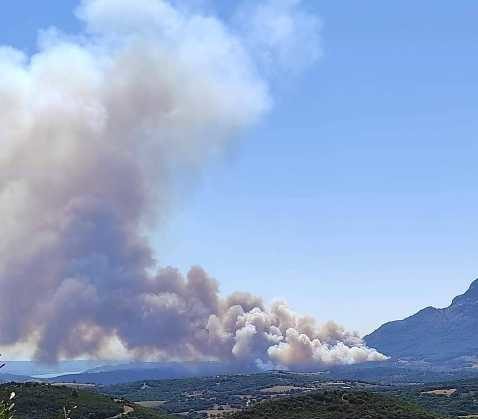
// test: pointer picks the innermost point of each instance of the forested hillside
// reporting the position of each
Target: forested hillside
(336, 405)
(44, 401)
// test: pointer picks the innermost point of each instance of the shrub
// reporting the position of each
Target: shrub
(6, 407)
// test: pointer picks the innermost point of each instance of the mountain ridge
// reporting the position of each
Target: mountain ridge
(433, 334)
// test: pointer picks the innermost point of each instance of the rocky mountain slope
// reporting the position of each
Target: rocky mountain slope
(432, 334)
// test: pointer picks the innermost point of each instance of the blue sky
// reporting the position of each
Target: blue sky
(355, 198)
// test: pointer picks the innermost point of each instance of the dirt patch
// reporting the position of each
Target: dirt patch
(151, 403)
(281, 389)
(126, 411)
(77, 386)
(441, 392)
(213, 412)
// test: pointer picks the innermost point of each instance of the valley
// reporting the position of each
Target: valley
(269, 395)
(411, 384)
(202, 397)
(254, 395)
(252, 209)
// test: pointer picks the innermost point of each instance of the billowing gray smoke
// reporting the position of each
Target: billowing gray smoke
(95, 131)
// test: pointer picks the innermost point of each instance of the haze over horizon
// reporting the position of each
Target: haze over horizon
(349, 196)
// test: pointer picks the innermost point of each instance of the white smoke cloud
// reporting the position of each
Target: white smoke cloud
(288, 339)
(95, 129)
(281, 34)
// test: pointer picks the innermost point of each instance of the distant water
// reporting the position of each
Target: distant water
(38, 370)
(57, 374)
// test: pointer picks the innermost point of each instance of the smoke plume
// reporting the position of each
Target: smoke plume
(95, 130)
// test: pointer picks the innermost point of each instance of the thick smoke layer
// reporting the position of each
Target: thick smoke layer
(95, 130)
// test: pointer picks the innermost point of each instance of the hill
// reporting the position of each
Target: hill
(451, 398)
(44, 401)
(432, 334)
(336, 405)
(400, 372)
(205, 393)
(225, 393)
(141, 371)
(237, 392)
(8, 378)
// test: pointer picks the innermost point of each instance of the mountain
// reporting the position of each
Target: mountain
(336, 405)
(433, 334)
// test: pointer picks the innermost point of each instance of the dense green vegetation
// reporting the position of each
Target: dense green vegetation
(40, 401)
(44, 401)
(335, 405)
(143, 413)
(183, 395)
(390, 373)
(273, 395)
(6, 409)
(227, 384)
(454, 398)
